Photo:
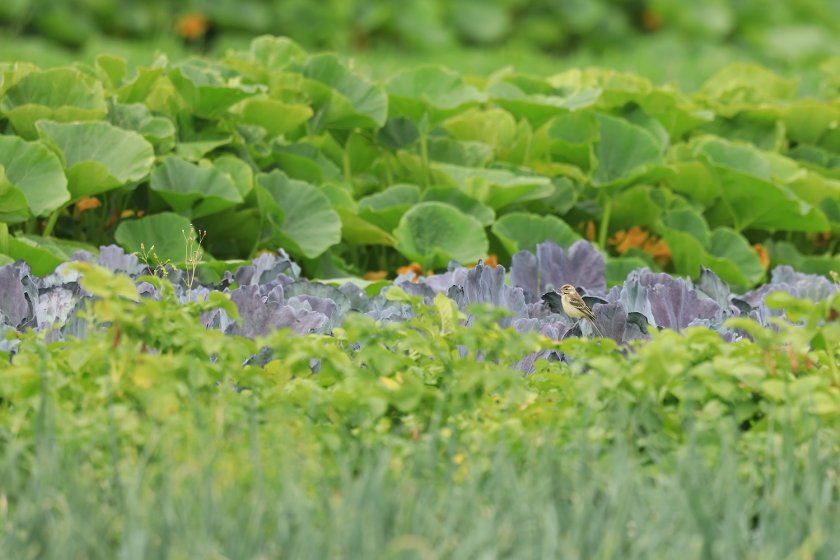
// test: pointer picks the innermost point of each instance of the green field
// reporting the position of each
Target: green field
(150, 439)
(277, 279)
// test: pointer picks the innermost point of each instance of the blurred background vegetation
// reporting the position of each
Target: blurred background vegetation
(661, 39)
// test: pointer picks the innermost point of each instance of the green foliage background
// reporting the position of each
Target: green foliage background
(508, 121)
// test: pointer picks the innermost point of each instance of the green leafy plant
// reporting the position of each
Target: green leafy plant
(158, 414)
(272, 147)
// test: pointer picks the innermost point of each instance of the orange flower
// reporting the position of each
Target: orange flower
(659, 250)
(589, 230)
(374, 275)
(191, 25)
(413, 267)
(87, 203)
(637, 238)
(491, 260)
(763, 256)
(626, 240)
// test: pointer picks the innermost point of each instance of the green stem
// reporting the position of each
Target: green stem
(258, 239)
(383, 264)
(52, 220)
(424, 156)
(604, 230)
(4, 238)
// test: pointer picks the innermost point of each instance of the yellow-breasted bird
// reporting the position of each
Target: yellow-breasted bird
(572, 305)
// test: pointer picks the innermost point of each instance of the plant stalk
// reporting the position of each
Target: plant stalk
(604, 229)
(4, 238)
(48, 229)
(424, 156)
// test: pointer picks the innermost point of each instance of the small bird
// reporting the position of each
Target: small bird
(575, 307)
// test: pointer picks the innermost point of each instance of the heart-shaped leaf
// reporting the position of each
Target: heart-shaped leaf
(433, 233)
(342, 98)
(434, 91)
(98, 156)
(521, 231)
(301, 215)
(159, 238)
(35, 172)
(59, 94)
(192, 190)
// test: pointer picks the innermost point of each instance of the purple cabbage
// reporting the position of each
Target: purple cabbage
(269, 294)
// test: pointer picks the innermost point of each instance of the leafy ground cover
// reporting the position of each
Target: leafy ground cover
(271, 294)
(153, 435)
(273, 146)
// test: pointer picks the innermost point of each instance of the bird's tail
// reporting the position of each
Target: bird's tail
(596, 328)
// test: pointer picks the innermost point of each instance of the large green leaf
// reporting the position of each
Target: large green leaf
(301, 215)
(205, 90)
(728, 245)
(111, 69)
(624, 151)
(752, 186)
(358, 231)
(522, 231)
(13, 206)
(306, 162)
(138, 89)
(35, 172)
(342, 98)
(496, 188)
(43, 254)
(97, 155)
(571, 138)
(385, 208)
(639, 205)
(433, 233)
(59, 94)
(616, 269)
(195, 149)
(617, 90)
(276, 117)
(724, 250)
(534, 99)
(238, 171)
(192, 190)
(495, 127)
(266, 57)
(741, 86)
(809, 121)
(434, 91)
(159, 131)
(694, 180)
(160, 237)
(455, 152)
(463, 202)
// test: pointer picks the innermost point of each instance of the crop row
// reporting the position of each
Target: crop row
(270, 294)
(275, 147)
(161, 436)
